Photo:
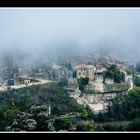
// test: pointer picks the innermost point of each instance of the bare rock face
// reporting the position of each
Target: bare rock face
(97, 102)
(93, 98)
(73, 83)
(95, 87)
(76, 93)
(98, 95)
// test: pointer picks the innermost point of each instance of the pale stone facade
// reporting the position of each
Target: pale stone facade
(109, 81)
(26, 82)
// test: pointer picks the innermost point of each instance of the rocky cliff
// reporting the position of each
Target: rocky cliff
(98, 95)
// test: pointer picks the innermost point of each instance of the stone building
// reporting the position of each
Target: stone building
(27, 81)
(99, 76)
(85, 71)
(58, 72)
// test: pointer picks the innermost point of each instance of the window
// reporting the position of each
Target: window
(79, 73)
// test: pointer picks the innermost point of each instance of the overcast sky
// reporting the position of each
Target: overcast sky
(36, 28)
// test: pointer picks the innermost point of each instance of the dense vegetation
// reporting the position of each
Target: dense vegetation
(82, 83)
(114, 73)
(124, 108)
(12, 102)
(68, 65)
(137, 81)
(138, 66)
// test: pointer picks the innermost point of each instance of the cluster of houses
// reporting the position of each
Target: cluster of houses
(91, 72)
(82, 70)
(12, 82)
(96, 72)
(51, 72)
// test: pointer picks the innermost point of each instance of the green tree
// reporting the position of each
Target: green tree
(134, 125)
(69, 66)
(82, 83)
(124, 108)
(61, 124)
(74, 74)
(85, 127)
(138, 66)
(11, 114)
(109, 74)
(137, 81)
(128, 71)
(114, 73)
(63, 82)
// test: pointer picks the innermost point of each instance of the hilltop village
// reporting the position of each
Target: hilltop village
(69, 94)
(99, 87)
(92, 80)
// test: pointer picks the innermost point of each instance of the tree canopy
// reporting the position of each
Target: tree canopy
(137, 81)
(114, 73)
(82, 83)
(124, 108)
(138, 66)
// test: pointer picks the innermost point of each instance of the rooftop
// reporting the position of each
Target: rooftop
(80, 66)
(101, 70)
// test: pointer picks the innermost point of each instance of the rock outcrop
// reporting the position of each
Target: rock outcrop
(98, 95)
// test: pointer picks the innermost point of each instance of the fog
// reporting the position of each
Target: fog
(46, 34)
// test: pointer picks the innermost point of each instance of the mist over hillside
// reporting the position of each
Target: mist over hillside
(36, 35)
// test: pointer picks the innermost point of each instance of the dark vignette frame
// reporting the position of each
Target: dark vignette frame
(66, 3)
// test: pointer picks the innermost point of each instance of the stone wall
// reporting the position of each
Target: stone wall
(109, 81)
